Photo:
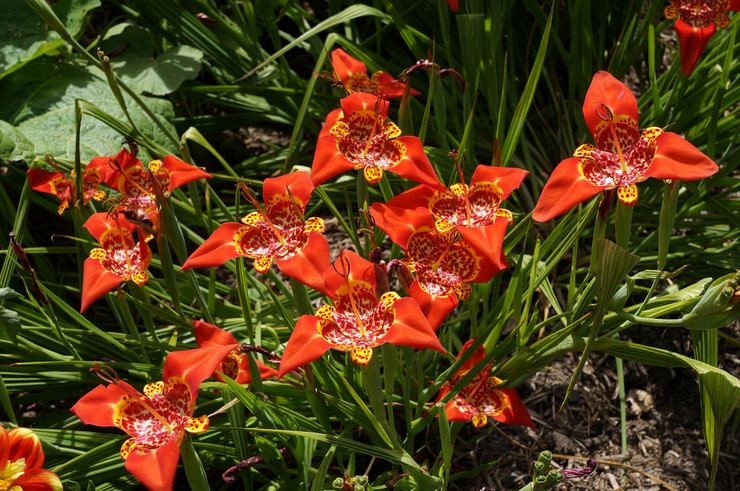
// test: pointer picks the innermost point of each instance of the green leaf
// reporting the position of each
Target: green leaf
(13, 144)
(46, 111)
(137, 67)
(6, 293)
(26, 36)
(10, 323)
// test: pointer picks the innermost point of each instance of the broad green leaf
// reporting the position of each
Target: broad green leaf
(13, 144)
(46, 111)
(24, 36)
(131, 52)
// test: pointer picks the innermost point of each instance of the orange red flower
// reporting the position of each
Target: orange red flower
(444, 262)
(474, 211)
(354, 77)
(21, 461)
(621, 157)
(157, 419)
(360, 319)
(139, 187)
(235, 364)
(482, 398)
(60, 185)
(118, 259)
(696, 23)
(360, 136)
(276, 232)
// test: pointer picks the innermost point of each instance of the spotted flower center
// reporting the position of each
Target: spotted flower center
(153, 418)
(442, 265)
(360, 82)
(474, 206)
(279, 232)
(699, 13)
(480, 399)
(230, 363)
(91, 185)
(357, 322)
(367, 140)
(620, 158)
(139, 191)
(122, 256)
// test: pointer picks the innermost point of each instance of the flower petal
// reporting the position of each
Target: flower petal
(390, 88)
(96, 282)
(515, 412)
(297, 183)
(98, 406)
(352, 267)
(24, 444)
(489, 242)
(411, 328)
(507, 178)
(310, 263)
(345, 66)
(100, 222)
(676, 158)
(401, 222)
(38, 480)
(111, 168)
(328, 161)
(245, 375)
(216, 250)
(436, 308)
(415, 165)
(155, 469)
(605, 90)
(195, 365)
(304, 346)
(40, 179)
(330, 120)
(692, 41)
(566, 188)
(361, 101)
(181, 172)
(206, 333)
(454, 414)
(474, 359)
(4, 447)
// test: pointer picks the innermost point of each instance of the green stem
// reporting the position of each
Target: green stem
(667, 219)
(623, 225)
(194, 470)
(648, 321)
(300, 295)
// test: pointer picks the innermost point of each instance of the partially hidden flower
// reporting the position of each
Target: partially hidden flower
(359, 319)
(443, 263)
(360, 136)
(483, 397)
(354, 77)
(157, 419)
(21, 461)
(696, 23)
(235, 364)
(62, 186)
(276, 232)
(474, 210)
(454, 5)
(119, 258)
(139, 186)
(621, 155)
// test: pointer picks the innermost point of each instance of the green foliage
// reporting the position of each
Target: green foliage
(185, 76)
